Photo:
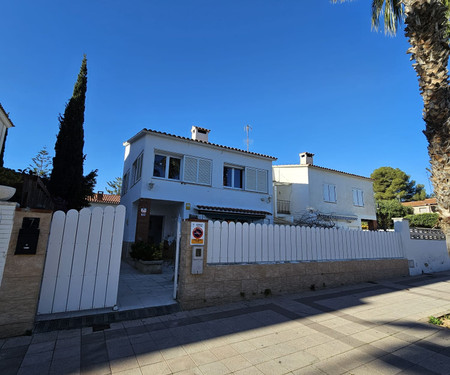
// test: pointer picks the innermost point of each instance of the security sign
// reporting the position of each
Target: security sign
(197, 233)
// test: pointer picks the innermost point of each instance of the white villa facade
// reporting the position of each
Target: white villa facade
(166, 176)
(304, 190)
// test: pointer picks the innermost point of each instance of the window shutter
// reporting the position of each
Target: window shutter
(361, 198)
(355, 197)
(190, 169)
(250, 179)
(262, 181)
(332, 193)
(326, 194)
(204, 172)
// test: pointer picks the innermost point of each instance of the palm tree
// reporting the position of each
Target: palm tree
(427, 28)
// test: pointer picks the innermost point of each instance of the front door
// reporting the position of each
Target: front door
(155, 227)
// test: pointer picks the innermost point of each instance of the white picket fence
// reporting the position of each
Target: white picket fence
(83, 260)
(250, 243)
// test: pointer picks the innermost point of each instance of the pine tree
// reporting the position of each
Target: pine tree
(67, 184)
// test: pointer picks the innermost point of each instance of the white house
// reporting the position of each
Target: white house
(5, 124)
(166, 176)
(306, 190)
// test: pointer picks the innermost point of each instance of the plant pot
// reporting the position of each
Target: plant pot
(6, 192)
(149, 266)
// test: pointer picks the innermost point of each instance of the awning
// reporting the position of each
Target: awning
(229, 211)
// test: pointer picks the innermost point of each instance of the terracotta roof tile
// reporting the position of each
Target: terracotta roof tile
(204, 142)
(426, 202)
(107, 199)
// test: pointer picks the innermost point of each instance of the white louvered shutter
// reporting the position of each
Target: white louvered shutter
(204, 172)
(250, 179)
(262, 181)
(190, 169)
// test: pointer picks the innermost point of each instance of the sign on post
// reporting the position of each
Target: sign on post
(198, 233)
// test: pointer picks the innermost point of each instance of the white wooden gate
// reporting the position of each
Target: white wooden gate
(83, 260)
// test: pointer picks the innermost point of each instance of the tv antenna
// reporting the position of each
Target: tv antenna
(247, 129)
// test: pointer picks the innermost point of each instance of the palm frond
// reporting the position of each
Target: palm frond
(390, 13)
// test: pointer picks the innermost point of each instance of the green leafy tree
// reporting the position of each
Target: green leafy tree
(67, 184)
(427, 30)
(115, 186)
(388, 209)
(390, 183)
(41, 164)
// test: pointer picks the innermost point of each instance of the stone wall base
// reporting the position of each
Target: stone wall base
(221, 284)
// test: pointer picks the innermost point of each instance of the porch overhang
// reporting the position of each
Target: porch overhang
(230, 212)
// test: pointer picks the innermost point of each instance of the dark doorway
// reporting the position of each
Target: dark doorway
(155, 227)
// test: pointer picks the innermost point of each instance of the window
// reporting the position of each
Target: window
(358, 197)
(136, 170)
(125, 182)
(167, 167)
(233, 177)
(329, 193)
(256, 180)
(197, 170)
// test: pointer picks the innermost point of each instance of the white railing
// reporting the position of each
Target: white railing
(250, 243)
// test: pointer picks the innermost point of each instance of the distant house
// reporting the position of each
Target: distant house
(103, 200)
(306, 191)
(5, 124)
(168, 176)
(422, 207)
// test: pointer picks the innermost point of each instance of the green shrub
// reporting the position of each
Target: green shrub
(428, 220)
(145, 251)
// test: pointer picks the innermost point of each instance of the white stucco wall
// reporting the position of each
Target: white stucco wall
(195, 194)
(424, 256)
(306, 191)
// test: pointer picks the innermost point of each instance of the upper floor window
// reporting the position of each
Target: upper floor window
(167, 167)
(233, 177)
(329, 193)
(125, 182)
(136, 169)
(358, 197)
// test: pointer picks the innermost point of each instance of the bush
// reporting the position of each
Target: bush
(428, 220)
(145, 251)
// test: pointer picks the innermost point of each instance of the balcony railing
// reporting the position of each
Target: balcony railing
(283, 206)
(426, 234)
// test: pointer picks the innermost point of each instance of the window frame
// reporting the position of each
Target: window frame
(125, 182)
(168, 157)
(234, 168)
(136, 169)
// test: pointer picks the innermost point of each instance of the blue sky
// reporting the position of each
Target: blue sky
(306, 75)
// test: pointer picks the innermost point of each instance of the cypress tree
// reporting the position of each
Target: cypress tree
(67, 183)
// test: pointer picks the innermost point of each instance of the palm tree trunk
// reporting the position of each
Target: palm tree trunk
(426, 27)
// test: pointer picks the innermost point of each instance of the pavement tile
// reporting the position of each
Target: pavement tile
(214, 368)
(96, 368)
(13, 352)
(10, 366)
(123, 363)
(438, 363)
(201, 358)
(160, 368)
(223, 352)
(34, 369)
(37, 358)
(236, 363)
(296, 361)
(69, 365)
(173, 352)
(41, 347)
(272, 367)
(181, 363)
(45, 336)
(149, 358)
(16, 341)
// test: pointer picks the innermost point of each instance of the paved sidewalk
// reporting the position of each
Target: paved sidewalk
(371, 328)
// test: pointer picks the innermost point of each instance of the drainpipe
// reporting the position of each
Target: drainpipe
(177, 257)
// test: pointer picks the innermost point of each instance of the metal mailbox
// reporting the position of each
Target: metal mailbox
(28, 236)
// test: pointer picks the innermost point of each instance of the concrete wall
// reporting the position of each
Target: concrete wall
(424, 256)
(19, 291)
(226, 283)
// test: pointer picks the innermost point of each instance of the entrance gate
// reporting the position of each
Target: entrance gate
(83, 260)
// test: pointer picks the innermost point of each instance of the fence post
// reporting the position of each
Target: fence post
(401, 226)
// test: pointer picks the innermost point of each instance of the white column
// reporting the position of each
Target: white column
(7, 210)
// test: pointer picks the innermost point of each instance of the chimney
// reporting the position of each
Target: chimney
(100, 195)
(306, 158)
(199, 134)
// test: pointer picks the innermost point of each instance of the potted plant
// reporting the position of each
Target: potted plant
(147, 256)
